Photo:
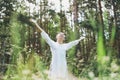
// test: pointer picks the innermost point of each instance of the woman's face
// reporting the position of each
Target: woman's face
(60, 37)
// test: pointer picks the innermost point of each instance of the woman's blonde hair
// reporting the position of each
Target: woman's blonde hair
(60, 33)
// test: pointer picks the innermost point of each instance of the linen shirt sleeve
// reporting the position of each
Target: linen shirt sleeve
(47, 39)
(71, 44)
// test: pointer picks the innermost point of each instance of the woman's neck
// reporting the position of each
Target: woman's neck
(60, 42)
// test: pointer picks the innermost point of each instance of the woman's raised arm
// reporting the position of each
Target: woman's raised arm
(43, 34)
(73, 43)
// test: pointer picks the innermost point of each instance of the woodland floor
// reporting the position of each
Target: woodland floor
(71, 76)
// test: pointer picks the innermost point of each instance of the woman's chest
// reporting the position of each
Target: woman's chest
(60, 47)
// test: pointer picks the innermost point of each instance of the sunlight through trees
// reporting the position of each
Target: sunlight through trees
(23, 52)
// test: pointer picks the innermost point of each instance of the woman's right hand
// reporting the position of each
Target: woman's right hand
(36, 24)
(34, 21)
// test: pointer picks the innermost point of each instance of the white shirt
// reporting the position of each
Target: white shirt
(58, 67)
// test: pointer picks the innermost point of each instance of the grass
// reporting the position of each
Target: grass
(26, 71)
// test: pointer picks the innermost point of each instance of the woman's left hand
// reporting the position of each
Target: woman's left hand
(81, 38)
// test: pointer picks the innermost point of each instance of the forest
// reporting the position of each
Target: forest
(24, 54)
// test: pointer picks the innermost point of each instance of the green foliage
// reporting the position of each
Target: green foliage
(24, 19)
(26, 71)
(22, 68)
(101, 62)
(15, 37)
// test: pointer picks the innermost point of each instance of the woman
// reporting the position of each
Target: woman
(58, 67)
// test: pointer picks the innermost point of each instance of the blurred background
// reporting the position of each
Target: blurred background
(24, 55)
